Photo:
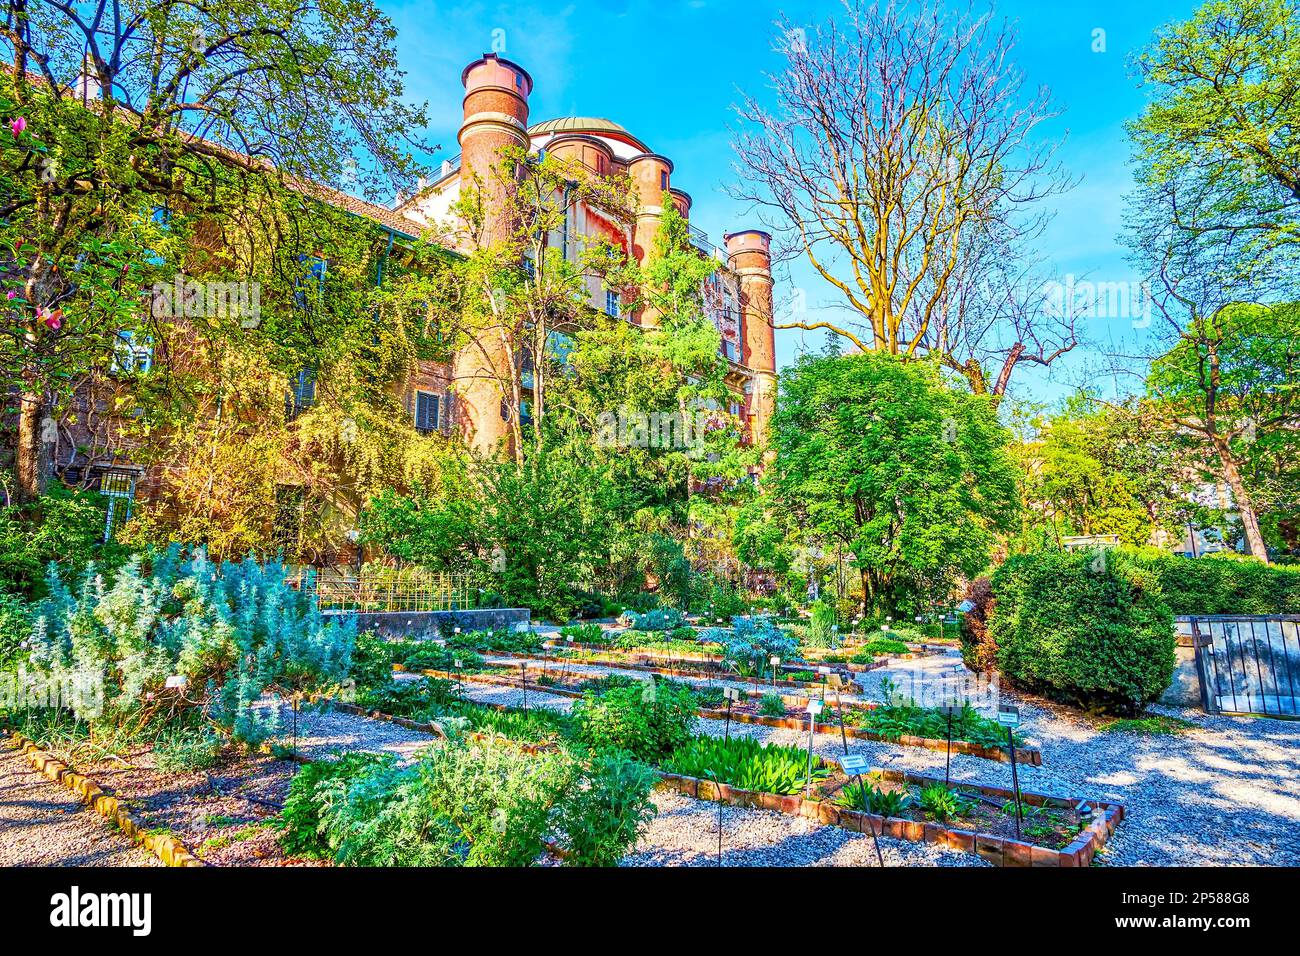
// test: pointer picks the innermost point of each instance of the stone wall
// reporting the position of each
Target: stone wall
(423, 625)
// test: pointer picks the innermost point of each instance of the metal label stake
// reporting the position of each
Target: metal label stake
(814, 708)
(854, 765)
(1009, 717)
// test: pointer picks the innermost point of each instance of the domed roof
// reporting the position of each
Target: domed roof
(585, 124)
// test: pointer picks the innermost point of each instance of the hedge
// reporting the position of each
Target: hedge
(1091, 629)
(1215, 585)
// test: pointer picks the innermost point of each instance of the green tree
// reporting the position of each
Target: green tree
(913, 478)
(1220, 126)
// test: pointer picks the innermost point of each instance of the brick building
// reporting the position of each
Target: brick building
(454, 397)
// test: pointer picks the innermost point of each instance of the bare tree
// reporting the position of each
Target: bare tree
(899, 151)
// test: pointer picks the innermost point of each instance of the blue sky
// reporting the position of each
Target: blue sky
(670, 71)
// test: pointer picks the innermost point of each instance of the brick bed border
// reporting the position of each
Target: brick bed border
(1026, 755)
(167, 848)
(999, 851)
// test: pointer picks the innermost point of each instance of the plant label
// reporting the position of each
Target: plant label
(1008, 716)
(853, 764)
(730, 693)
(950, 709)
(814, 708)
(776, 661)
(823, 670)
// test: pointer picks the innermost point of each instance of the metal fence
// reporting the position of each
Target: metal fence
(401, 591)
(1249, 664)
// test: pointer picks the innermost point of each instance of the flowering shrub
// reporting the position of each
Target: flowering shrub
(186, 636)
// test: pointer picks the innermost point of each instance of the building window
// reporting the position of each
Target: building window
(119, 488)
(730, 351)
(663, 179)
(611, 303)
(530, 268)
(132, 353)
(302, 394)
(426, 412)
(313, 278)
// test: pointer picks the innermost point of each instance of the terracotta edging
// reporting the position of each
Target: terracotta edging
(167, 848)
(997, 850)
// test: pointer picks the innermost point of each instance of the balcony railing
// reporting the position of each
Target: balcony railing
(700, 239)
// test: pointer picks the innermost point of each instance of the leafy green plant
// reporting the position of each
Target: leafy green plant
(751, 642)
(885, 803)
(745, 763)
(1085, 628)
(943, 804)
(771, 705)
(656, 619)
(605, 810)
(583, 633)
(648, 721)
(500, 640)
(422, 698)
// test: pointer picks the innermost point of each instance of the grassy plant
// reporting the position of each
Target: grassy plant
(745, 763)
(1149, 726)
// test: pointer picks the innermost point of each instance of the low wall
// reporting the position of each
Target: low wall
(1185, 688)
(418, 625)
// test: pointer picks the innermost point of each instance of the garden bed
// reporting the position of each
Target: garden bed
(747, 714)
(1087, 833)
(223, 815)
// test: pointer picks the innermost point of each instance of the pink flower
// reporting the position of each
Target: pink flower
(51, 319)
(11, 294)
(17, 126)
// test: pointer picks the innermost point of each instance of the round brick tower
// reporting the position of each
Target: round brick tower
(495, 116)
(651, 174)
(750, 258)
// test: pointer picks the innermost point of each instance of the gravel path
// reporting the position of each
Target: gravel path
(325, 732)
(685, 833)
(43, 824)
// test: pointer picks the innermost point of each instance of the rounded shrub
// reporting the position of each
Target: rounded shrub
(1085, 628)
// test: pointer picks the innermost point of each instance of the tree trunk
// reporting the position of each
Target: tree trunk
(29, 455)
(1245, 506)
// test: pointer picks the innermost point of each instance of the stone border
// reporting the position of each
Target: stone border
(999, 851)
(167, 848)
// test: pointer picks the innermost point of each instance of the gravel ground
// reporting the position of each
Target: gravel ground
(685, 833)
(324, 732)
(43, 824)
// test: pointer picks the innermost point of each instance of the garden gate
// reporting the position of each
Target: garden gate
(1247, 664)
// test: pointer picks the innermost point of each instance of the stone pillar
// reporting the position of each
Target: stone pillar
(749, 257)
(495, 116)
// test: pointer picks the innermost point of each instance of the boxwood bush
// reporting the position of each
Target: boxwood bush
(1085, 628)
(1224, 585)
